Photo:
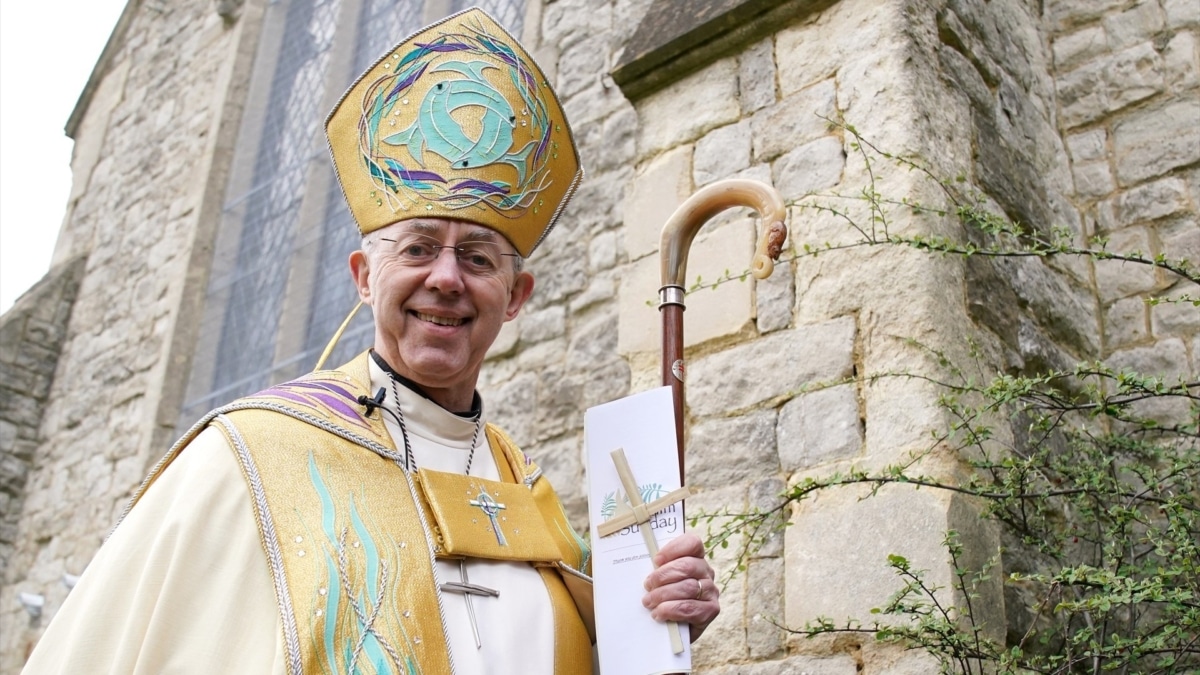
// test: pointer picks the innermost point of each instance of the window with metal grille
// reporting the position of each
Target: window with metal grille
(280, 286)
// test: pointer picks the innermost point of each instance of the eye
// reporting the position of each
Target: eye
(477, 258)
(417, 250)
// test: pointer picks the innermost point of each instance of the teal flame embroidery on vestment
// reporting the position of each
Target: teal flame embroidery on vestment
(364, 649)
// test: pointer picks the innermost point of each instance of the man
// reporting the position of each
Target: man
(401, 533)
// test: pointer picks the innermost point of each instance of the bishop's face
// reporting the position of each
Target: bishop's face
(436, 318)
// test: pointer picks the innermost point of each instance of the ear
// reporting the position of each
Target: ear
(521, 290)
(360, 272)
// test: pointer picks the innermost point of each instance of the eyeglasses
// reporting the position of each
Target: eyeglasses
(477, 258)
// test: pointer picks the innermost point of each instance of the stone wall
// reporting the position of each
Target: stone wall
(755, 349)
(31, 335)
(1074, 113)
(1128, 82)
(147, 166)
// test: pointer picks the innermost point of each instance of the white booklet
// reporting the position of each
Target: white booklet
(628, 640)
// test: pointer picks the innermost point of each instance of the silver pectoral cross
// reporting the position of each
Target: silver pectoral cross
(467, 589)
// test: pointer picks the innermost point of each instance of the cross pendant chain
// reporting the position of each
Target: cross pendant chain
(467, 589)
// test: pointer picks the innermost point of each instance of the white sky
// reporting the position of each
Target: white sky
(47, 52)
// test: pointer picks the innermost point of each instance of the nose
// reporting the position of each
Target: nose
(444, 274)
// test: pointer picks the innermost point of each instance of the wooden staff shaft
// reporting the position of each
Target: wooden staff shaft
(677, 236)
(672, 350)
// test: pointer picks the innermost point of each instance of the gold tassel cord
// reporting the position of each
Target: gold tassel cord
(337, 336)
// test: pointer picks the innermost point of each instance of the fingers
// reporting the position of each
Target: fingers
(686, 545)
(690, 600)
(682, 587)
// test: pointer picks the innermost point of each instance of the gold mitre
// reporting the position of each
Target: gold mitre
(457, 121)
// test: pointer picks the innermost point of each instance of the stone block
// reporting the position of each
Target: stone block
(1012, 175)
(708, 96)
(1088, 145)
(598, 101)
(597, 204)
(1181, 61)
(764, 608)
(771, 367)
(721, 153)
(8, 436)
(1174, 318)
(606, 383)
(815, 50)
(559, 398)
(1066, 13)
(774, 298)
(567, 21)
(1125, 323)
(538, 356)
(838, 546)
(1181, 13)
(1078, 47)
(1152, 141)
(802, 117)
(20, 381)
(712, 312)
(594, 343)
(560, 273)
(756, 76)
(967, 76)
(561, 460)
(1151, 201)
(599, 289)
(766, 495)
(712, 500)
(1166, 358)
(127, 474)
(840, 664)
(664, 184)
(1140, 23)
(544, 324)
(619, 145)
(581, 64)
(814, 166)
(1119, 279)
(1083, 94)
(818, 427)
(729, 451)
(512, 406)
(602, 252)
(1064, 310)
(1133, 74)
(724, 640)
(13, 472)
(1093, 179)
(1181, 241)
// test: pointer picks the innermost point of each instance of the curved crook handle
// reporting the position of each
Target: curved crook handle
(681, 229)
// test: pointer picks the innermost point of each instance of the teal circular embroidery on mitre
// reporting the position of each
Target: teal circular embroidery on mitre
(435, 130)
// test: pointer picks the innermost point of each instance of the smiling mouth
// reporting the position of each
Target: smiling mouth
(439, 320)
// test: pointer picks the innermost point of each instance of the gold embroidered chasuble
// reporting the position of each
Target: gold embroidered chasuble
(350, 536)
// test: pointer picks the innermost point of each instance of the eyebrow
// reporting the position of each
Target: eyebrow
(473, 234)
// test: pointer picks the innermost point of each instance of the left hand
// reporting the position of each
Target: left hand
(682, 587)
